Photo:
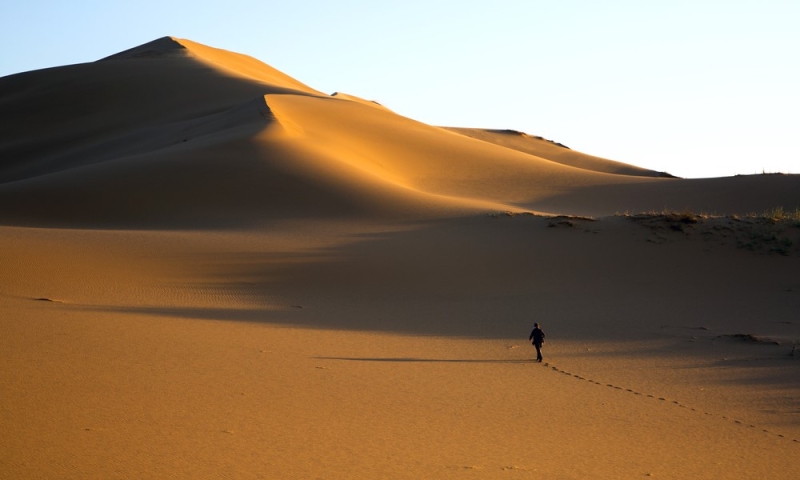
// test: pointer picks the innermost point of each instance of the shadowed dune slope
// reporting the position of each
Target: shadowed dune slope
(234, 63)
(51, 117)
(175, 134)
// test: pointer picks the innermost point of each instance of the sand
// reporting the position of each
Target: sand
(209, 269)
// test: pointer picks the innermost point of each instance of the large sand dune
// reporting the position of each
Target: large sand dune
(209, 269)
(180, 134)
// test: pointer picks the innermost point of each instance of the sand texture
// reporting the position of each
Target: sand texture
(209, 269)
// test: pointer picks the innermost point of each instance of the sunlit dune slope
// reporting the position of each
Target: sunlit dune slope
(237, 167)
(346, 96)
(555, 152)
(176, 134)
(285, 156)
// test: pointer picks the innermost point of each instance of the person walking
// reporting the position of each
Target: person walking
(537, 339)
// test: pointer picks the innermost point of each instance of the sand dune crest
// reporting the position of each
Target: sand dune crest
(158, 47)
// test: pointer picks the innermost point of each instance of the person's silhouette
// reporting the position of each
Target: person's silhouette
(537, 339)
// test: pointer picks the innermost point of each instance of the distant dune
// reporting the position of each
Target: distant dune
(175, 131)
(556, 152)
(209, 269)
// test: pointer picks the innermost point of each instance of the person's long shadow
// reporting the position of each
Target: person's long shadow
(421, 360)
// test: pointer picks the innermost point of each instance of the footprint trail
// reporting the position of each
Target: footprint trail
(676, 403)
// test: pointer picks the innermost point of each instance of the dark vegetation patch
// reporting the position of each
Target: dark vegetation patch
(750, 338)
(775, 231)
(562, 221)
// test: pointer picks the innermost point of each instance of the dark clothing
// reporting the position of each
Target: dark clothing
(537, 336)
(537, 339)
(538, 351)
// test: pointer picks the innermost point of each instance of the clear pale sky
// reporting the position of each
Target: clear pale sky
(696, 88)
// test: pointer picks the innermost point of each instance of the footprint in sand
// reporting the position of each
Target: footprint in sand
(45, 299)
(662, 399)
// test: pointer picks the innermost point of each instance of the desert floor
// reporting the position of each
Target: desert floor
(355, 350)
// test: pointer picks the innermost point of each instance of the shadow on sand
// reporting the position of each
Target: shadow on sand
(422, 360)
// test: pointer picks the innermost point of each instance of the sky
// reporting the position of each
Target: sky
(702, 88)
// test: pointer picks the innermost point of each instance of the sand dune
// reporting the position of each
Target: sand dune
(109, 120)
(62, 111)
(209, 269)
(233, 63)
(555, 152)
